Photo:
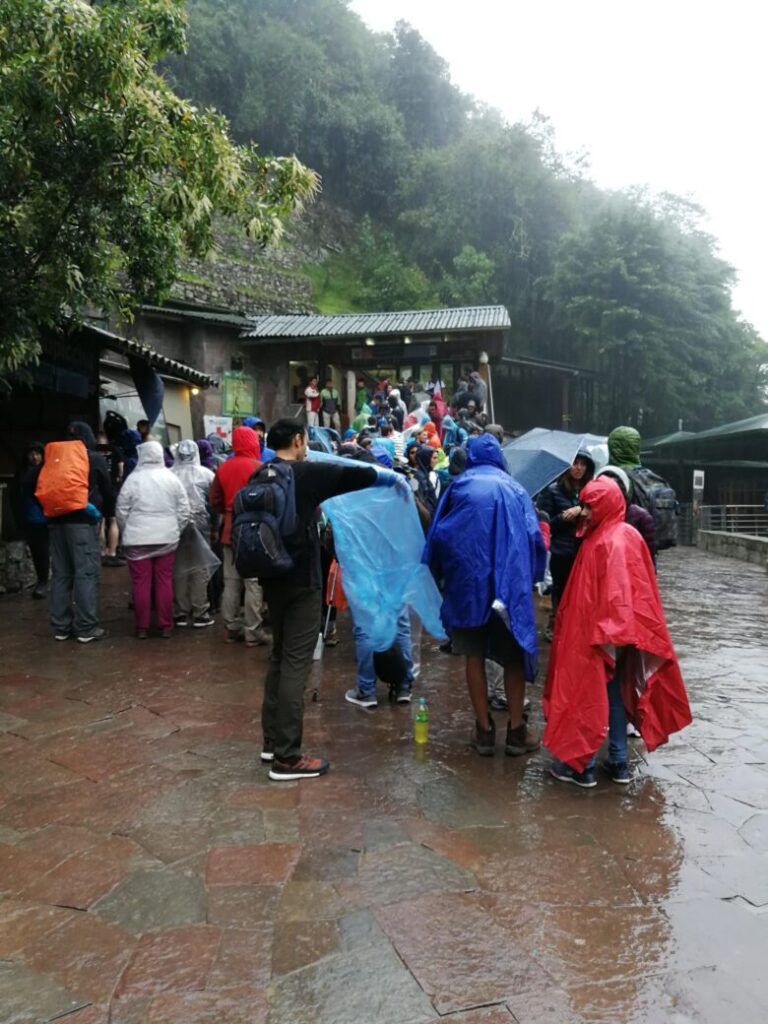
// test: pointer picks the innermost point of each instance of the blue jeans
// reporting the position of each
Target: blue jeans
(617, 726)
(366, 676)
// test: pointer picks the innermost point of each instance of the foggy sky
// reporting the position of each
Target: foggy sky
(669, 95)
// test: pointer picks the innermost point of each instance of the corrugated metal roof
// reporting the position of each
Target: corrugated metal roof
(164, 364)
(752, 425)
(351, 325)
(208, 315)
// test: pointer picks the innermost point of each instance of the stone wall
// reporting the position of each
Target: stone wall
(16, 569)
(735, 545)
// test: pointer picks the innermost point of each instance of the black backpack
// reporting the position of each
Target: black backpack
(655, 495)
(263, 516)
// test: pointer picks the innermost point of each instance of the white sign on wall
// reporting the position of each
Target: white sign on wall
(219, 425)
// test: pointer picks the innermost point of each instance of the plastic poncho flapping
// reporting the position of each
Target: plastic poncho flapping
(379, 542)
(486, 545)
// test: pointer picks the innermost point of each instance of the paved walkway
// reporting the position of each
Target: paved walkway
(151, 874)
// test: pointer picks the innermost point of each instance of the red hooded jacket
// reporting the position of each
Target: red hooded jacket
(234, 474)
(611, 601)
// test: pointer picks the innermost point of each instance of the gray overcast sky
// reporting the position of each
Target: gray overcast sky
(669, 94)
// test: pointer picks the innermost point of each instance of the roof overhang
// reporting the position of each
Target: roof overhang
(165, 366)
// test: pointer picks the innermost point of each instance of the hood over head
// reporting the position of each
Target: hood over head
(151, 455)
(619, 475)
(382, 456)
(496, 430)
(245, 442)
(187, 453)
(457, 461)
(582, 453)
(606, 501)
(485, 450)
(206, 453)
(80, 431)
(448, 422)
(624, 447)
(424, 457)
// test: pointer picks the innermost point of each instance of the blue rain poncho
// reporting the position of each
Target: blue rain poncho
(486, 546)
(379, 543)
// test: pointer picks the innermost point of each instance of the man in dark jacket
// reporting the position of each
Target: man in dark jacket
(294, 601)
(75, 554)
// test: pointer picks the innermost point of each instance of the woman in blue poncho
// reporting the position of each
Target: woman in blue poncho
(486, 547)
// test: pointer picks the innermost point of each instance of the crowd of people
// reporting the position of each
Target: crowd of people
(168, 514)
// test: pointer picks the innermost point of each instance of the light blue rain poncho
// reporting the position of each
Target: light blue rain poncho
(379, 543)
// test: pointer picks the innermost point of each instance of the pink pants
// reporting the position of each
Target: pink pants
(146, 573)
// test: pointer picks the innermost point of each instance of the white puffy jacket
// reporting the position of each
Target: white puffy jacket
(152, 507)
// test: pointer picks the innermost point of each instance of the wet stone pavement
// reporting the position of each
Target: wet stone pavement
(151, 874)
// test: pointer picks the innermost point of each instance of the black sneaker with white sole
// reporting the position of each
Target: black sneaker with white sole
(97, 634)
(403, 696)
(303, 767)
(201, 621)
(267, 750)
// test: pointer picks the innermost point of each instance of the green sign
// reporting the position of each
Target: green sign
(238, 394)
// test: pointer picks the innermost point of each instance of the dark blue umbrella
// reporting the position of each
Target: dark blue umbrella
(540, 456)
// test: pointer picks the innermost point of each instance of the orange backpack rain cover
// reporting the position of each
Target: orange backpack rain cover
(62, 486)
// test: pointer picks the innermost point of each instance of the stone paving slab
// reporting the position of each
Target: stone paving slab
(151, 874)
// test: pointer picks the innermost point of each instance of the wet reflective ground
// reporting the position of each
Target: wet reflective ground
(150, 872)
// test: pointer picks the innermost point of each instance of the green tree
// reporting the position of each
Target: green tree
(647, 302)
(387, 280)
(472, 280)
(107, 176)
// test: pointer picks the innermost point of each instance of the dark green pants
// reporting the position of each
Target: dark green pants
(295, 616)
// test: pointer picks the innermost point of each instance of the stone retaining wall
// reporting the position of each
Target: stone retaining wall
(16, 569)
(735, 545)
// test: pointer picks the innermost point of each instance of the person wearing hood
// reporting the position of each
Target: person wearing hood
(206, 454)
(428, 489)
(454, 436)
(152, 512)
(560, 501)
(191, 588)
(486, 547)
(479, 390)
(612, 657)
(636, 516)
(624, 448)
(76, 553)
(231, 476)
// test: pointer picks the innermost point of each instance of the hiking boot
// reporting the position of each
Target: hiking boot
(362, 700)
(259, 639)
(563, 773)
(201, 621)
(618, 773)
(97, 634)
(181, 620)
(484, 740)
(521, 740)
(267, 750)
(303, 767)
(233, 637)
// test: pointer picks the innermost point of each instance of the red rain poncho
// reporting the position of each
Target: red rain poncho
(611, 601)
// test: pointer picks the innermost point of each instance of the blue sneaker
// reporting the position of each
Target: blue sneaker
(562, 772)
(618, 773)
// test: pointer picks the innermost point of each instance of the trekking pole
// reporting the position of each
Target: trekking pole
(330, 602)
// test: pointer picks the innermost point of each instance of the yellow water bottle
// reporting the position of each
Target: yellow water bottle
(421, 722)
